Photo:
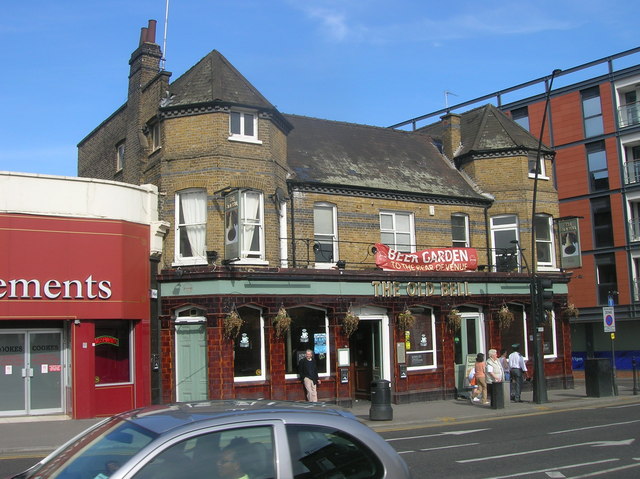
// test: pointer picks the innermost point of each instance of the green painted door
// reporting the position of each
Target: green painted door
(191, 362)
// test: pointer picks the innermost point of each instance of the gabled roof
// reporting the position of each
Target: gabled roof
(353, 156)
(485, 129)
(214, 79)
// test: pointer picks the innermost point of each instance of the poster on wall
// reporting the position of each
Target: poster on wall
(569, 232)
(320, 343)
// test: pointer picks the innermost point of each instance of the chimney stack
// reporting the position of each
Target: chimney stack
(148, 33)
(451, 135)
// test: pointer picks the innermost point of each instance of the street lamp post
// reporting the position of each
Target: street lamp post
(537, 310)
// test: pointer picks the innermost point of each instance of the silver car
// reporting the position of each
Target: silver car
(251, 439)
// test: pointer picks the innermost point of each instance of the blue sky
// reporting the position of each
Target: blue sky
(377, 62)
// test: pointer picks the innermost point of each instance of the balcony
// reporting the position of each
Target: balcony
(634, 229)
(632, 172)
(629, 115)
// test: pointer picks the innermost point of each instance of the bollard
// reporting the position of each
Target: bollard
(381, 401)
(635, 376)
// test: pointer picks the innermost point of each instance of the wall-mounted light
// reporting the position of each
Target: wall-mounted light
(212, 257)
(341, 264)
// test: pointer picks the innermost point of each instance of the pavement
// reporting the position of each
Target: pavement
(36, 436)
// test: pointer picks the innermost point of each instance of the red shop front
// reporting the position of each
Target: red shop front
(74, 315)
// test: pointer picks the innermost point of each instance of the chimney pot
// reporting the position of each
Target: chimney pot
(151, 32)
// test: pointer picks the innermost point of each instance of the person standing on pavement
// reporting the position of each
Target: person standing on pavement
(495, 374)
(504, 362)
(481, 379)
(518, 369)
(308, 372)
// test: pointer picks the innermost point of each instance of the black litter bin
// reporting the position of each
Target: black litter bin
(598, 377)
(381, 401)
(497, 395)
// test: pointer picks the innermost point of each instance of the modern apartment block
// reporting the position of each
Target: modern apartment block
(593, 124)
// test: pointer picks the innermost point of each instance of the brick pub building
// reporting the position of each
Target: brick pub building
(278, 217)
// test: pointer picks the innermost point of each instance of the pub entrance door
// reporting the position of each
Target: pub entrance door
(370, 350)
(468, 342)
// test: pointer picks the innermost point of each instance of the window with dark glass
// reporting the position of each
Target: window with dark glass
(419, 340)
(606, 277)
(249, 345)
(592, 112)
(325, 237)
(597, 162)
(112, 352)
(309, 330)
(521, 117)
(515, 331)
(602, 225)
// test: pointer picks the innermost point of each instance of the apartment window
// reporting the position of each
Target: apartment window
(420, 341)
(602, 225)
(521, 117)
(545, 250)
(606, 277)
(630, 111)
(325, 228)
(592, 112)
(634, 219)
(309, 330)
(460, 230)
(112, 352)
(120, 156)
(597, 162)
(190, 229)
(243, 126)
(504, 236)
(244, 225)
(396, 230)
(632, 164)
(249, 359)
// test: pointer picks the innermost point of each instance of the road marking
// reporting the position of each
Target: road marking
(448, 433)
(555, 474)
(550, 469)
(625, 442)
(449, 447)
(595, 427)
(605, 471)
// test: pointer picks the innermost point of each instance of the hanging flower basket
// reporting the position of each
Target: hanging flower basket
(406, 319)
(454, 319)
(350, 323)
(505, 316)
(232, 324)
(282, 322)
(570, 311)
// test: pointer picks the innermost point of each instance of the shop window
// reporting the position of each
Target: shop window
(249, 360)
(190, 226)
(592, 112)
(420, 344)
(309, 330)
(325, 228)
(243, 126)
(545, 248)
(602, 225)
(244, 226)
(504, 235)
(112, 352)
(460, 230)
(396, 230)
(597, 163)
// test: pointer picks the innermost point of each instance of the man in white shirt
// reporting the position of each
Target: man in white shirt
(518, 369)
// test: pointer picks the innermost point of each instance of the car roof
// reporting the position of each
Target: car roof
(162, 418)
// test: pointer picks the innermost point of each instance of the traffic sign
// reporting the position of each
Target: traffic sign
(609, 319)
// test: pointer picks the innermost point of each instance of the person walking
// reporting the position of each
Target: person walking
(518, 369)
(481, 379)
(308, 372)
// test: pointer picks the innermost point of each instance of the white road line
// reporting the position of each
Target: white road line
(605, 471)
(595, 427)
(549, 469)
(448, 433)
(624, 442)
(449, 447)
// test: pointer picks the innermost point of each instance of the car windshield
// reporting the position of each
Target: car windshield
(95, 455)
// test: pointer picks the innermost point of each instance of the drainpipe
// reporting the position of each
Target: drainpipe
(293, 230)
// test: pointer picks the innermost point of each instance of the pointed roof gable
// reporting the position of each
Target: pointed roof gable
(326, 153)
(486, 129)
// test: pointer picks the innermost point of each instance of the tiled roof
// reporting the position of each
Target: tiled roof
(360, 156)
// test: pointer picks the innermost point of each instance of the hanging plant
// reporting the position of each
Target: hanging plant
(282, 322)
(350, 322)
(454, 319)
(406, 319)
(232, 324)
(570, 311)
(505, 316)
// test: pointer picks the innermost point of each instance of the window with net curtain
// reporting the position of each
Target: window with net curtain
(249, 360)
(309, 330)
(191, 222)
(251, 224)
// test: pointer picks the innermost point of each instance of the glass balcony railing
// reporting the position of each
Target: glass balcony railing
(629, 115)
(634, 229)
(632, 172)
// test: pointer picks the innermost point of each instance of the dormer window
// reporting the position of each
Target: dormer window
(243, 126)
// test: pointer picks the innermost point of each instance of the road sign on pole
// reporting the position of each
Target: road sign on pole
(609, 319)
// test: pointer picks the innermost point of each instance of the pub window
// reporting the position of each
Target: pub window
(249, 361)
(419, 339)
(545, 248)
(325, 228)
(112, 352)
(396, 230)
(190, 226)
(244, 226)
(515, 332)
(460, 230)
(505, 237)
(309, 330)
